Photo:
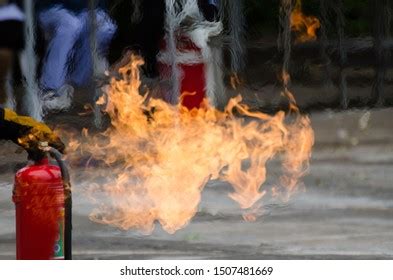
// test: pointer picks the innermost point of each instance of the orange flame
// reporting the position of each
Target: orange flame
(305, 26)
(159, 157)
(235, 81)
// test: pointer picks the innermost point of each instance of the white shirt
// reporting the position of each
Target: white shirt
(11, 12)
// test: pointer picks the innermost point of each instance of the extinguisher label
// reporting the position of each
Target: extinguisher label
(59, 244)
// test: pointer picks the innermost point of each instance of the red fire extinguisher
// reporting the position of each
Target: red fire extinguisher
(42, 197)
(189, 61)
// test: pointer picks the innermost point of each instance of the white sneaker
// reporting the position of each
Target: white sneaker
(60, 100)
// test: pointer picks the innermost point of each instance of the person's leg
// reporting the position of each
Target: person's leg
(106, 29)
(64, 28)
(6, 63)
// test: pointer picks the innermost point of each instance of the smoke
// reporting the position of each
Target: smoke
(232, 12)
(172, 22)
(33, 104)
(94, 57)
(284, 38)
(10, 92)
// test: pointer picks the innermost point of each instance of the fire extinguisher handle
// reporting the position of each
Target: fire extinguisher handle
(54, 153)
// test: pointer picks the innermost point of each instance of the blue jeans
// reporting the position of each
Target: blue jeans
(68, 58)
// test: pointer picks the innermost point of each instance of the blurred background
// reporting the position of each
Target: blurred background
(347, 65)
(341, 76)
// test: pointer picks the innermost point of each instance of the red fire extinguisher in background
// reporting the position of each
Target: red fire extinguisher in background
(42, 197)
(189, 61)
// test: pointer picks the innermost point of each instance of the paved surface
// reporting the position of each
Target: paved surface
(346, 211)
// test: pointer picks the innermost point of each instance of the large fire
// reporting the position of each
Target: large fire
(305, 27)
(159, 157)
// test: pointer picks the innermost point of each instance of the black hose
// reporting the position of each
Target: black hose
(67, 202)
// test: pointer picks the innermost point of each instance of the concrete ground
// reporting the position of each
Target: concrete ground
(346, 211)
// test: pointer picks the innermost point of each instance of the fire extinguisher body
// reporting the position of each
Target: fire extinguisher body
(39, 202)
(192, 72)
